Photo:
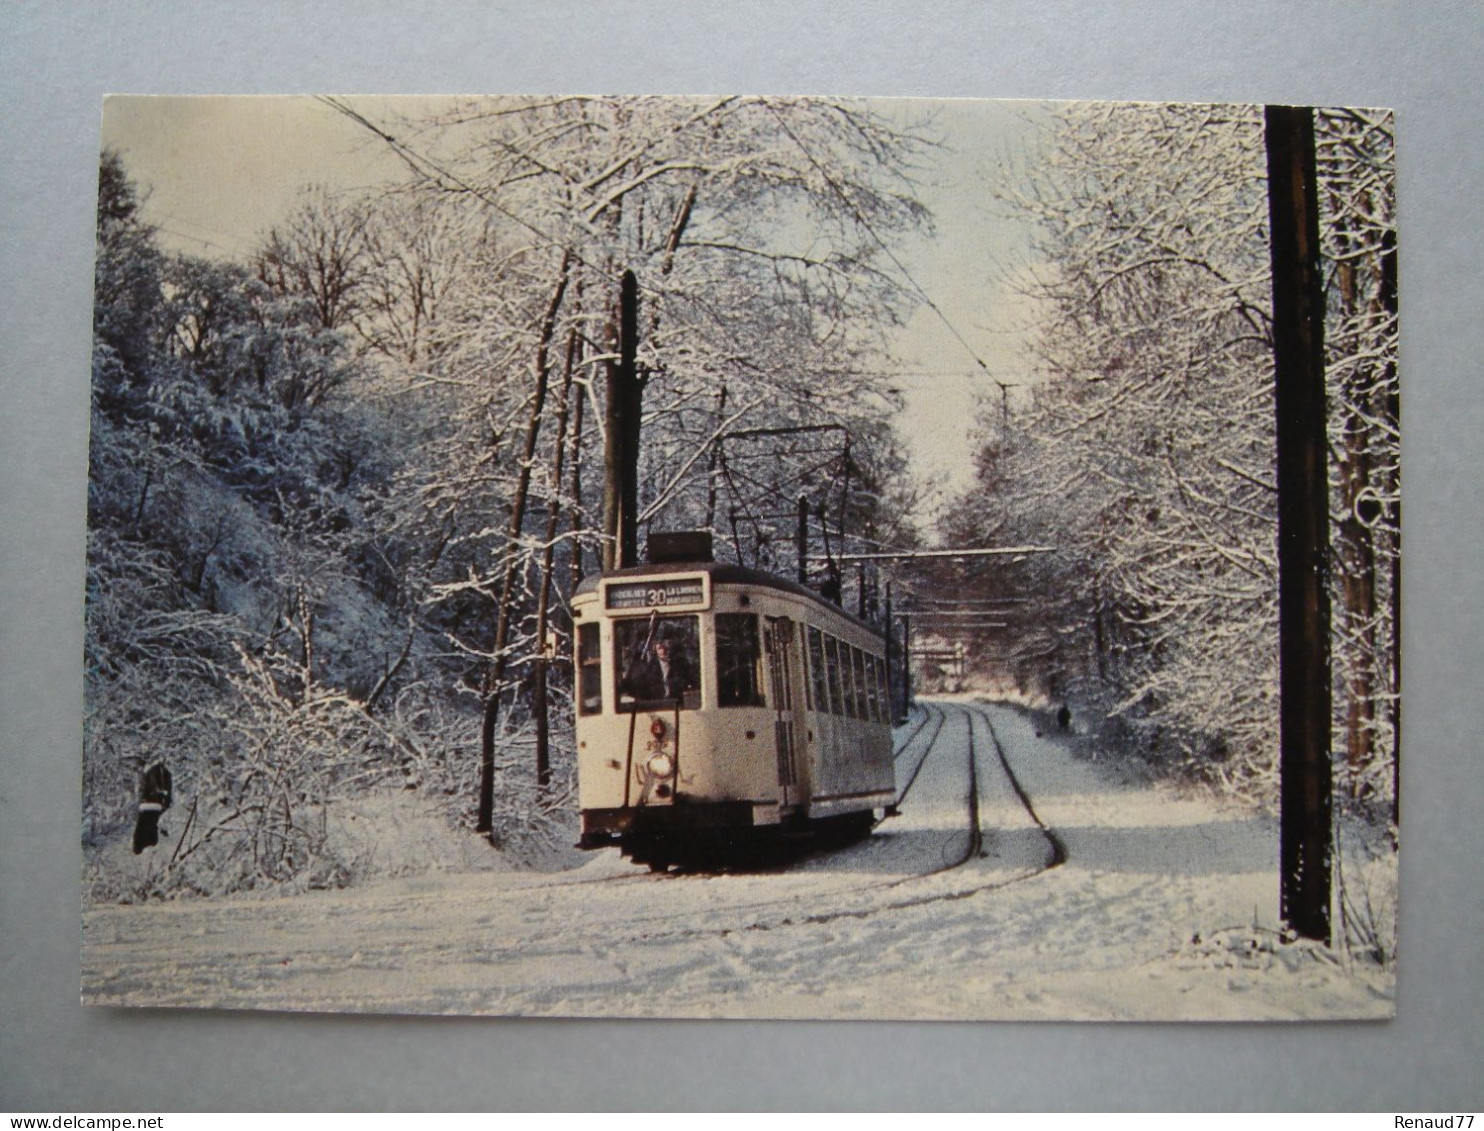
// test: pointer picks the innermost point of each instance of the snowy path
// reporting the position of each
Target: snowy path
(900, 925)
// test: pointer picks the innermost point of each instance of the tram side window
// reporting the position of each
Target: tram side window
(832, 666)
(589, 670)
(847, 680)
(818, 680)
(873, 697)
(656, 663)
(738, 661)
(805, 667)
(858, 664)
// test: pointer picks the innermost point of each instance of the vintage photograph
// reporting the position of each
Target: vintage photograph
(743, 557)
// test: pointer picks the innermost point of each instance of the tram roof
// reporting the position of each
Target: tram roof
(723, 573)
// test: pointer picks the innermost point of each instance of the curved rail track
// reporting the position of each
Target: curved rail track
(932, 736)
(931, 720)
(967, 843)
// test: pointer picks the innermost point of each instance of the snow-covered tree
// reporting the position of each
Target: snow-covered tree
(1146, 455)
(341, 489)
(1356, 159)
(756, 230)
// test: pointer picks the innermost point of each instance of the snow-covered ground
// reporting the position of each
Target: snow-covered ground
(1164, 909)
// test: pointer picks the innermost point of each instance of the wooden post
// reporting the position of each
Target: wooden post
(621, 449)
(1303, 523)
(801, 537)
(906, 662)
(713, 460)
(891, 703)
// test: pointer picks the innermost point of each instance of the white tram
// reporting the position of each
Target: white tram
(720, 706)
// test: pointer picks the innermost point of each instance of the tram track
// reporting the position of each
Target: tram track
(970, 831)
(936, 718)
(974, 848)
(902, 747)
(930, 711)
(1058, 847)
(931, 715)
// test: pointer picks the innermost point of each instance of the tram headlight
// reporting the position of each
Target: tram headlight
(661, 765)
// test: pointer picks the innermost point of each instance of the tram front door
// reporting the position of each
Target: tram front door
(778, 635)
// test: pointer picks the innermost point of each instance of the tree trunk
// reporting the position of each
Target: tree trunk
(496, 673)
(543, 601)
(1393, 417)
(578, 513)
(1355, 543)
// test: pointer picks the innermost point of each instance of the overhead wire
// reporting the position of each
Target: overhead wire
(865, 223)
(424, 166)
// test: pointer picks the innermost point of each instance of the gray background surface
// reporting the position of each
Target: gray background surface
(56, 63)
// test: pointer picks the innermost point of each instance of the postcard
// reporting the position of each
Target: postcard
(743, 557)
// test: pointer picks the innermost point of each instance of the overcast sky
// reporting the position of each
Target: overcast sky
(220, 171)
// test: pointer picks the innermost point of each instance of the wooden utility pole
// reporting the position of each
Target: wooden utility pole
(801, 537)
(906, 664)
(891, 702)
(621, 446)
(713, 460)
(1303, 522)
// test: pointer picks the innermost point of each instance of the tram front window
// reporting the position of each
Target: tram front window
(738, 660)
(656, 661)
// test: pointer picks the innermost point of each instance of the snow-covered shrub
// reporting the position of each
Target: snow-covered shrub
(1366, 875)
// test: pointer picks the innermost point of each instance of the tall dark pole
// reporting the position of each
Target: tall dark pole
(891, 703)
(713, 459)
(621, 489)
(1303, 522)
(801, 537)
(621, 447)
(634, 387)
(906, 662)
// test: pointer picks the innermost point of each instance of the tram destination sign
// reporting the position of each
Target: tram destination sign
(656, 593)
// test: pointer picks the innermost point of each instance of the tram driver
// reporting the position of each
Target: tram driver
(663, 672)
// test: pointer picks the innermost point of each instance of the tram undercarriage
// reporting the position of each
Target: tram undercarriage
(718, 833)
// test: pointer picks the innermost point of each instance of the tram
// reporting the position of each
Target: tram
(721, 708)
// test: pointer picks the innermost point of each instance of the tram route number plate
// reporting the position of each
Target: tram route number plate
(656, 594)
